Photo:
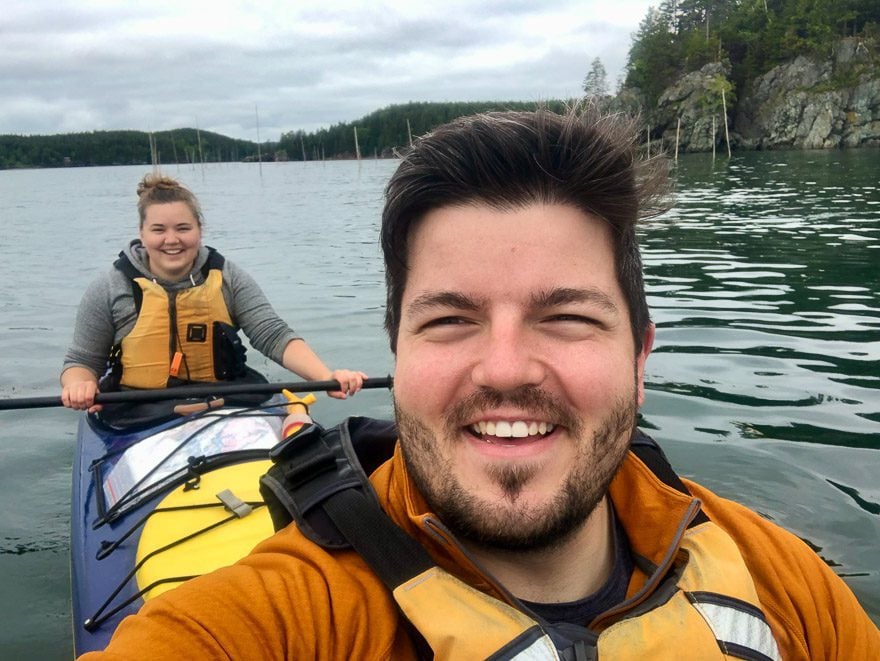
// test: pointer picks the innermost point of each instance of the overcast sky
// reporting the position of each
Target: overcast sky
(164, 64)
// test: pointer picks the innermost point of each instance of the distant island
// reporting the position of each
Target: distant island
(702, 75)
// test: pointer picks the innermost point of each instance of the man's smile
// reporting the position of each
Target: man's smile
(510, 428)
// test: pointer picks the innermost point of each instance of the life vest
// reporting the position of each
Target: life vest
(700, 602)
(180, 336)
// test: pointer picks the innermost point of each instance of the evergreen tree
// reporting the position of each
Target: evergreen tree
(654, 60)
(596, 80)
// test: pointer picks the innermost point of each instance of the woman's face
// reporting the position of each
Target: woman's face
(172, 237)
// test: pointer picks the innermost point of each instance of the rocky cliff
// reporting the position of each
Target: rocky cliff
(809, 103)
(690, 113)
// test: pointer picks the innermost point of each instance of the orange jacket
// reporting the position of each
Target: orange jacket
(290, 599)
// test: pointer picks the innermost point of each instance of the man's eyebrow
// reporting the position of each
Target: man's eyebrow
(442, 299)
(563, 295)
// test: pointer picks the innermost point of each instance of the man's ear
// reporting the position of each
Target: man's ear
(642, 357)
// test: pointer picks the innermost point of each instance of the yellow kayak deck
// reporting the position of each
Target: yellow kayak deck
(191, 531)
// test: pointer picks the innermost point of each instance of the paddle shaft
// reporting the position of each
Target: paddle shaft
(192, 392)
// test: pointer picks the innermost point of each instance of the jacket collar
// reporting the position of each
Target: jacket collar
(653, 514)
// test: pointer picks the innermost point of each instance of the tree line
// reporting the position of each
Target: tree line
(123, 148)
(381, 133)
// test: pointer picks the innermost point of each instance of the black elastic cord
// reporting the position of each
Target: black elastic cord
(107, 546)
(99, 617)
(92, 623)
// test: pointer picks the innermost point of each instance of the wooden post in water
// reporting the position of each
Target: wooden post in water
(677, 131)
(154, 157)
(174, 150)
(199, 140)
(357, 149)
(259, 152)
(713, 138)
(726, 134)
(409, 131)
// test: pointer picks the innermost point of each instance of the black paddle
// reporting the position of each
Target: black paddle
(191, 392)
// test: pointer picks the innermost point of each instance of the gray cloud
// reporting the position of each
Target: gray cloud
(146, 67)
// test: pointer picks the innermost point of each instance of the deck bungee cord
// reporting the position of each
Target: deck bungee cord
(100, 616)
(189, 476)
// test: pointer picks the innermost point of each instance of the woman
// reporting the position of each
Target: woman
(168, 312)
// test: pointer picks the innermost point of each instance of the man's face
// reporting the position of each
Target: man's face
(517, 383)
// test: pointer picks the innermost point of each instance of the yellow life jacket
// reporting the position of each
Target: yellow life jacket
(707, 609)
(700, 603)
(177, 334)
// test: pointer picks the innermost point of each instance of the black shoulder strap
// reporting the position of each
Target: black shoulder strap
(123, 263)
(391, 553)
(319, 480)
(215, 261)
(651, 454)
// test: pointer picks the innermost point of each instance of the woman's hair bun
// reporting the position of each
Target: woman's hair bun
(157, 188)
(152, 182)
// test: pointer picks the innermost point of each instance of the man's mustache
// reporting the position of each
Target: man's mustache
(533, 401)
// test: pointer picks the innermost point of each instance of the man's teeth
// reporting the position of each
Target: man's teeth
(517, 429)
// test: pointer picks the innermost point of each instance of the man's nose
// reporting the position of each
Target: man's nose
(508, 359)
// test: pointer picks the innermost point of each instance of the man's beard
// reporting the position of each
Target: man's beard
(509, 525)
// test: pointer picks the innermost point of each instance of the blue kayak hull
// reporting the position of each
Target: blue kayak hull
(103, 585)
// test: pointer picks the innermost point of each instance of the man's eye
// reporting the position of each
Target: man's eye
(444, 328)
(572, 326)
(575, 318)
(443, 321)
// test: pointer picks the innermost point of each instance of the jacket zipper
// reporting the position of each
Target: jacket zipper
(172, 317)
(437, 530)
(660, 572)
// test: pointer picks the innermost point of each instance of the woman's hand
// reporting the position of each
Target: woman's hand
(350, 382)
(300, 359)
(78, 389)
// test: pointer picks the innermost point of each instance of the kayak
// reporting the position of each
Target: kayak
(155, 507)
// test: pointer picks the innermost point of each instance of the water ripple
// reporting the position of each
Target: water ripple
(14, 546)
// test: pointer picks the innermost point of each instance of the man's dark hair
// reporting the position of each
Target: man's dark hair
(508, 160)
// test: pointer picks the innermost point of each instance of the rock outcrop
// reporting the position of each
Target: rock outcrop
(686, 110)
(808, 103)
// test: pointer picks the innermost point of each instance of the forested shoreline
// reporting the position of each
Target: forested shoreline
(121, 148)
(689, 58)
(748, 37)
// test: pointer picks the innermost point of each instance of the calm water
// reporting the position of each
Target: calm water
(764, 383)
